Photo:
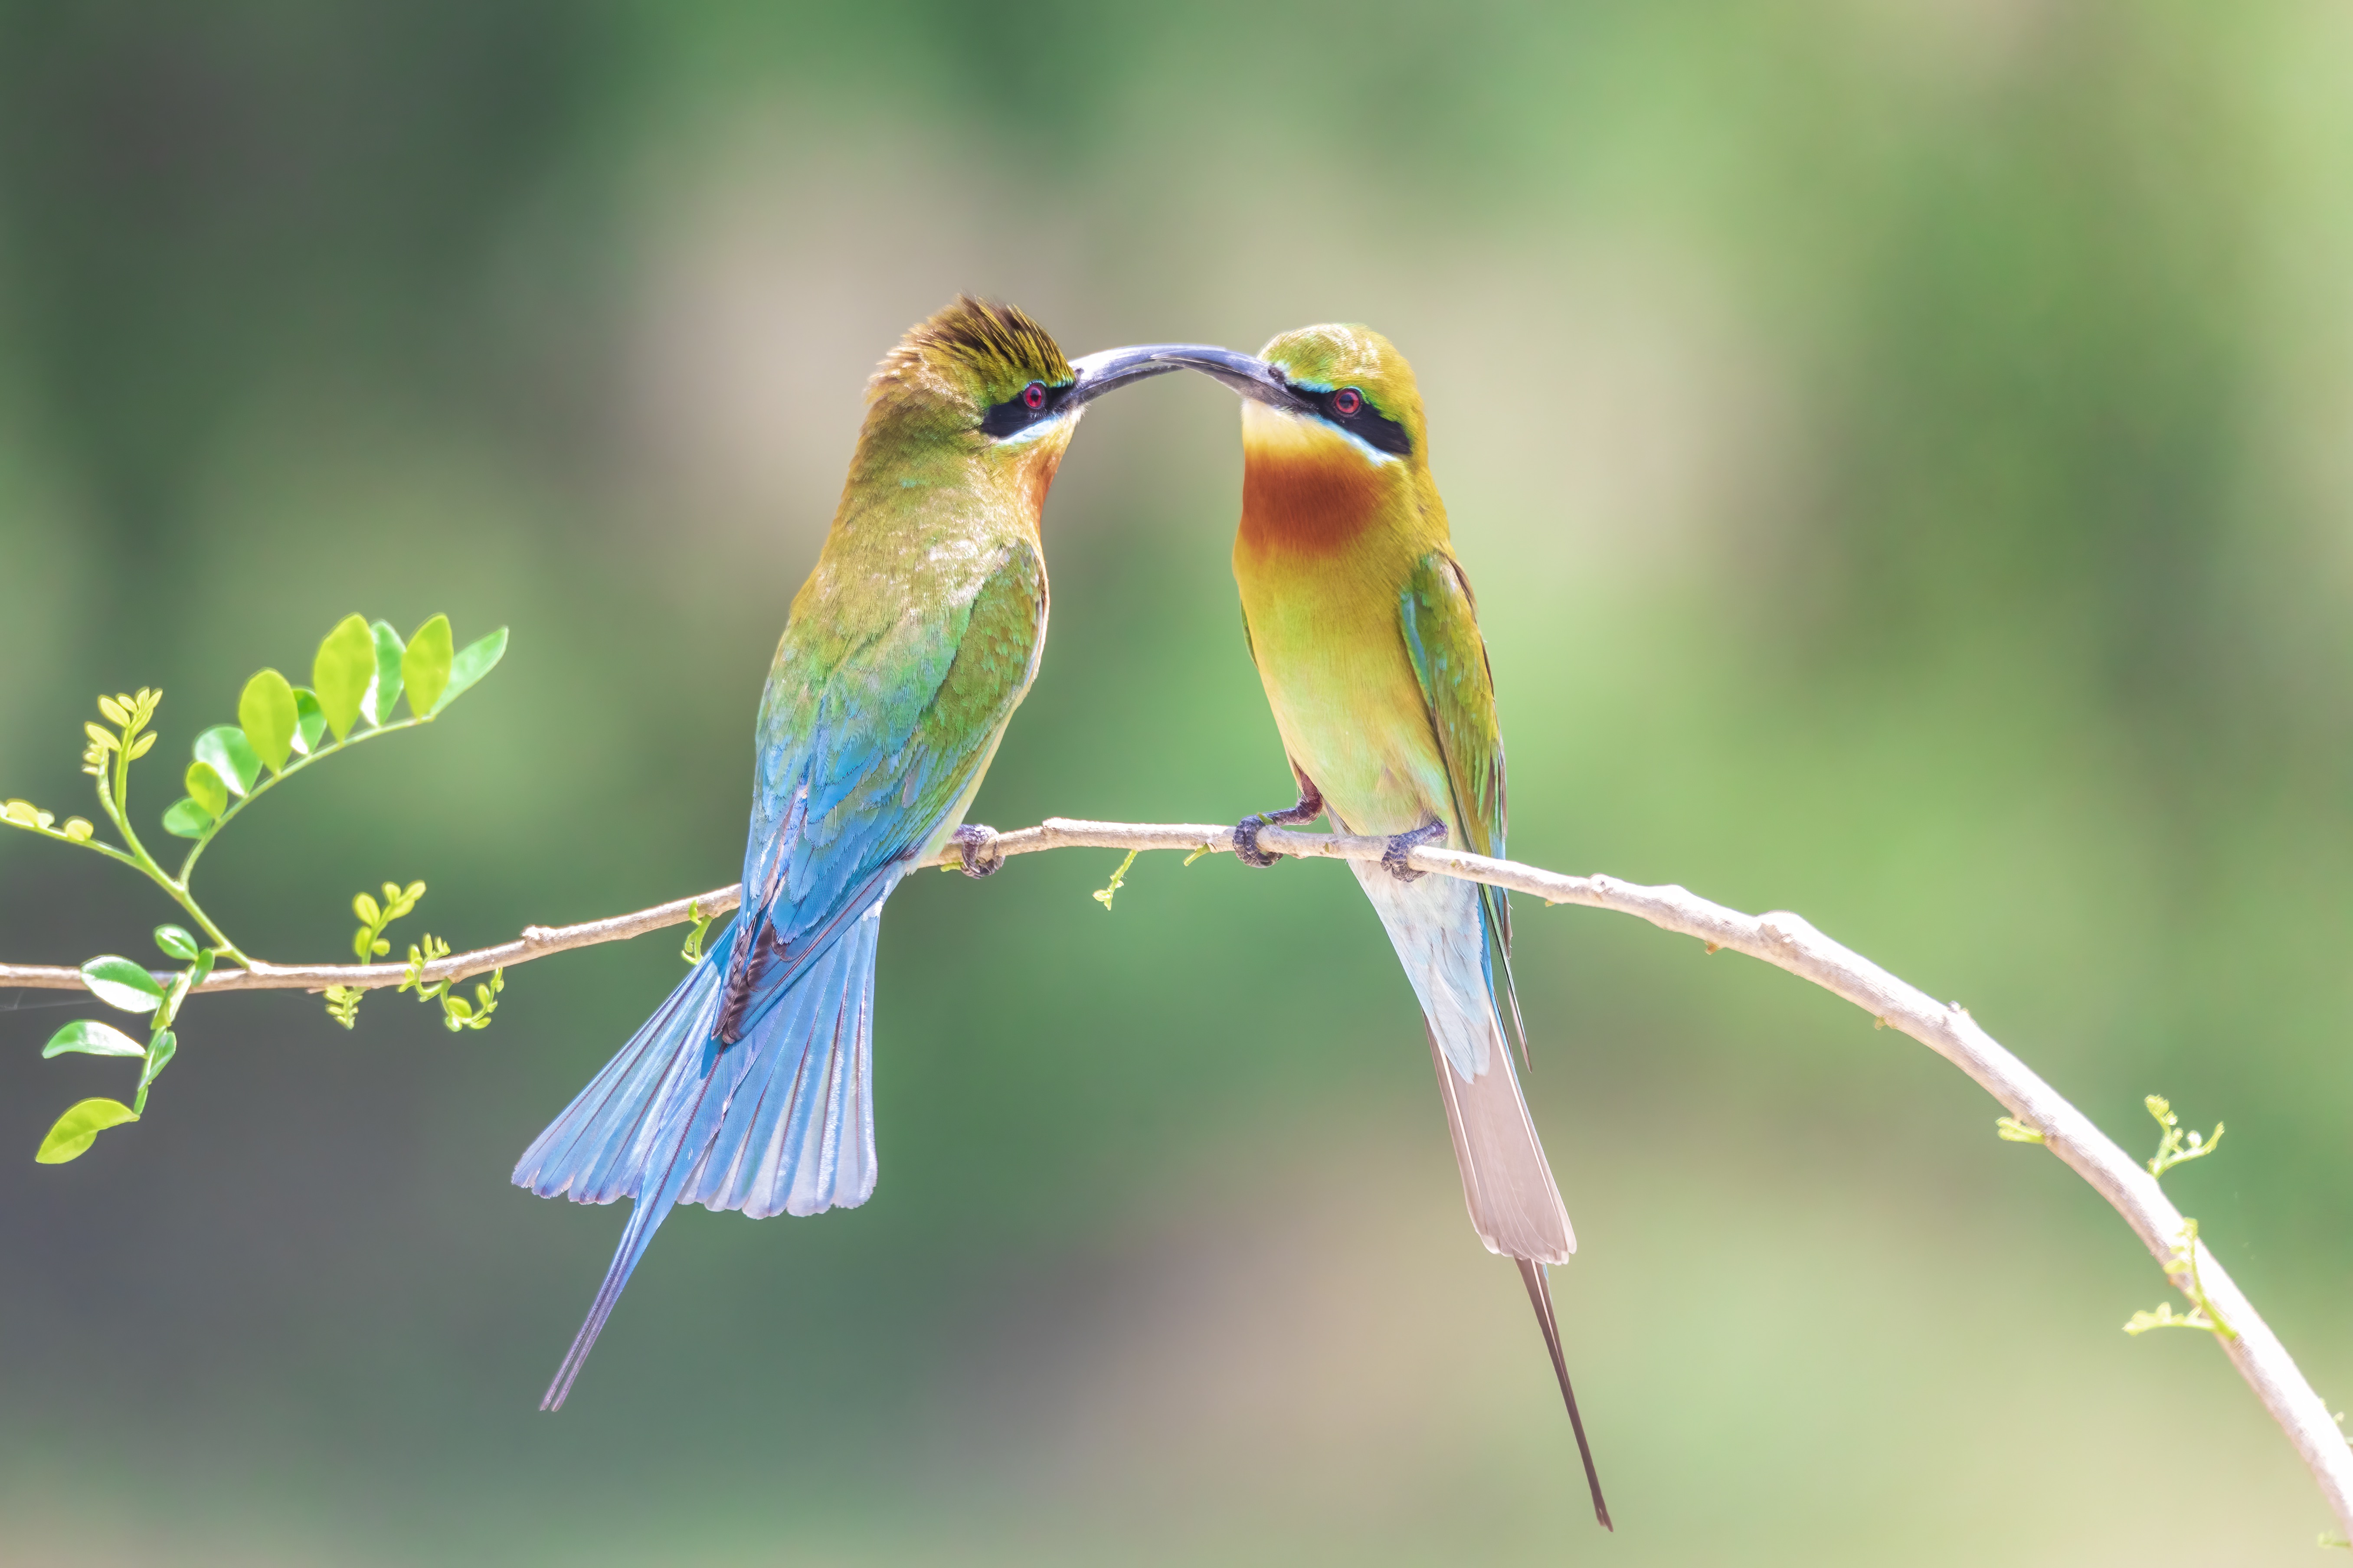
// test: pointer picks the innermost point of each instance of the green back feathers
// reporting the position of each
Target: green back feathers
(969, 357)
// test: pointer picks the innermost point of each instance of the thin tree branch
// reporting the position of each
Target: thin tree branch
(1781, 938)
(536, 941)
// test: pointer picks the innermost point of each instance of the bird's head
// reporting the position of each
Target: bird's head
(1333, 438)
(1328, 389)
(1337, 400)
(985, 382)
(976, 370)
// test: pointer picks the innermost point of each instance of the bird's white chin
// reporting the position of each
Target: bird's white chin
(1054, 424)
(1282, 433)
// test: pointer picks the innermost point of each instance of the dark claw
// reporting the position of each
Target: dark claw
(979, 845)
(1404, 843)
(1309, 807)
(1246, 848)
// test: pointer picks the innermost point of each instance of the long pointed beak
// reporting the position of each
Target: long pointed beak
(1112, 369)
(1246, 374)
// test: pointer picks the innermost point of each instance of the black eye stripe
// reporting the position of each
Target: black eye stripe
(1367, 422)
(1015, 415)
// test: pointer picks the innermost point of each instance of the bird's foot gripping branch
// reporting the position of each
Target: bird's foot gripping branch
(359, 677)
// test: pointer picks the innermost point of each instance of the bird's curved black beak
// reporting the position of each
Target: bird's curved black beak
(1112, 369)
(1246, 374)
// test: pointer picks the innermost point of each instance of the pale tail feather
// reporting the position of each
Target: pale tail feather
(1438, 927)
(1507, 1182)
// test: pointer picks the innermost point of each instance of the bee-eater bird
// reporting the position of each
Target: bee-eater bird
(906, 654)
(1366, 638)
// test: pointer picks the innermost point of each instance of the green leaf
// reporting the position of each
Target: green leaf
(267, 713)
(225, 751)
(160, 1052)
(94, 1039)
(177, 943)
(310, 723)
(188, 819)
(206, 788)
(119, 983)
(473, 661)
(341, 673)
(385, 693)
(79, 1128)
(426, 665)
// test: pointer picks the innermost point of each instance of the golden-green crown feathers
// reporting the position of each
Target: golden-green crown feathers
(972, 349)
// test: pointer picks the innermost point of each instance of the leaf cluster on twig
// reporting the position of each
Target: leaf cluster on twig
(457, 1013)
(2177, 1148)
(361, 673)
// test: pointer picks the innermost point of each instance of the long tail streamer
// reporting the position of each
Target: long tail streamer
(1540, 1298)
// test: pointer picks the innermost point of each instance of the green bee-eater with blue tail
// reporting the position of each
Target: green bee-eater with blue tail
(906, 652)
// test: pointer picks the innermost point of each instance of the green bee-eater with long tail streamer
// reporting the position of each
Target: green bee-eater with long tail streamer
(907, 650)
(1365, 636)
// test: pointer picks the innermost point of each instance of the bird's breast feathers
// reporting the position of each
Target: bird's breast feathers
(1311, 490)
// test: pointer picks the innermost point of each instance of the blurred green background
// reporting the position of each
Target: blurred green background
(1901, 448)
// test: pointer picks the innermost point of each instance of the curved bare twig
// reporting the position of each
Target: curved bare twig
(1781, 938)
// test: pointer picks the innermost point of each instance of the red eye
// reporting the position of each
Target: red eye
(1033, 396)
(1346, 401)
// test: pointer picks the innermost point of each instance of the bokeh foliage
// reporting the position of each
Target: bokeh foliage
(1900, 451)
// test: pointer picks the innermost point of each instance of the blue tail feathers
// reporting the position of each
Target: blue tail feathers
(780, 1123)
(598, 1149)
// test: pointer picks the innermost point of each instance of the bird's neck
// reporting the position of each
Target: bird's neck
(949, 481)
(1032, 472)
(1309, 491)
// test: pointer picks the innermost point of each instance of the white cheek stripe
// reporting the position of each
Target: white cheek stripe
(1032, 432)
(1365, 448)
